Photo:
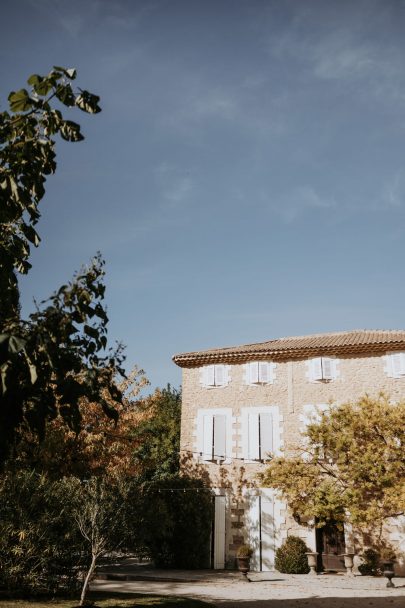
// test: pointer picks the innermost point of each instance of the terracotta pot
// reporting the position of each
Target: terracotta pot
(244, 565)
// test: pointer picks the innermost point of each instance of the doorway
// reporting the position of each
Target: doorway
(260, 528)
(330, 544)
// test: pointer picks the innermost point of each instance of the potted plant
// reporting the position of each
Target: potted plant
(243, 555)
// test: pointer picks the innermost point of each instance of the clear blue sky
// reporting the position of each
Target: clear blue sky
(246, 178)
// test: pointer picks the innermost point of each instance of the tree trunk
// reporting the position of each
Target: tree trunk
(89, 574)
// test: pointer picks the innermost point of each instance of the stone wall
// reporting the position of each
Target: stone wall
(291, 391)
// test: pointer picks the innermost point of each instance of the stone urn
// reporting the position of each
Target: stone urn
(244, 565)
(243, 556)
(388, 571)
(348, 559)
(312, 559)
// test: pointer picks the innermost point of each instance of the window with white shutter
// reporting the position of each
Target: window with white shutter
(396, 365)
(214, 375)
(260, 429)
(322, 369)
(259, 372)
(214, 430)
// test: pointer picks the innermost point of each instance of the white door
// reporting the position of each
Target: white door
(267, 529)
(260, 528)
(219, 532)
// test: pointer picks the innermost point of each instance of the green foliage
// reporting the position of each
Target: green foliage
(40, 547)
(291, 558)
(176, 522)
(49, 362)
(370, 564)
(57, 359)
(27, 157)
(158, 434)
(53, 530)
(350, 466)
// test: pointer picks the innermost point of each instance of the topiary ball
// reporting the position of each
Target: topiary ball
(291, 558)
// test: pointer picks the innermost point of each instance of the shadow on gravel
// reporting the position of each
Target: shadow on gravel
(317, 602)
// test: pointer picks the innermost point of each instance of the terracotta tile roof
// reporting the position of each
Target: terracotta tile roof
(359, 341)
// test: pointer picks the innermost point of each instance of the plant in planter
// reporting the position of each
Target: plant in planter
(243, 555)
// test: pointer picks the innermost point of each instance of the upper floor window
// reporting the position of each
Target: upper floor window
(395, 366)
(214, 434)
(260, 432)
(259, 372)
(214, 375)
(322, 369)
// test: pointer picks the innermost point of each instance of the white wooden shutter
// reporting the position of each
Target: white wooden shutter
(253, 530)
(253, 436)
(208, 426)
(264, 372)
(253, 372)
(316, 368)
(267, 532)
(398, 364)
(219, 437)
(209, 377)
(327, 368)
(265, 435)
(219, 532)
(402, 363)
(219, 375)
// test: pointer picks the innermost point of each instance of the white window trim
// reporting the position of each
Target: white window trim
(226, 371)
(334, 369)
(218, 411)
(272, 374)
(389, 365)
(274, 410)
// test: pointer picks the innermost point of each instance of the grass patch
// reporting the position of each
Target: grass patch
(118, 600)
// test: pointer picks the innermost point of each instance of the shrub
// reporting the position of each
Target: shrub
(291, 558)
(40, 548)
(371, 563)
(176, 519)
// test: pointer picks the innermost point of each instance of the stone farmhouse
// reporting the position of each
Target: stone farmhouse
(242, 402)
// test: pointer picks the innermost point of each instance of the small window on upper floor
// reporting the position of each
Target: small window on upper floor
(395, 365)
(259, 372)
(322, 369)
(214, 375)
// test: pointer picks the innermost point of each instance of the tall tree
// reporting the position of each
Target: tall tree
(350, 466)
(57, 356)
(157, 435)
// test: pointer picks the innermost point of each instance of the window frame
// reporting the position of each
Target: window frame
(201, 426)
(277, 430)
(259, 382)
(390, 367)
(320, 379)
(204, 373)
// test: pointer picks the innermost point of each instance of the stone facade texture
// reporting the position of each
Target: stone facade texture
(290, 391)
